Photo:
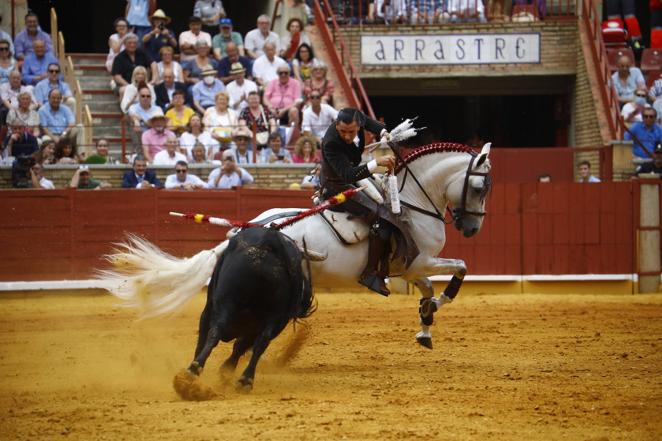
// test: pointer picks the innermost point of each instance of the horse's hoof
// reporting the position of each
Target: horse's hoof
(425, 342)
(244, 384)
(426, 311)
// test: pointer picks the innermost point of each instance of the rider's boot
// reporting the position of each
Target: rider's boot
(378, 252)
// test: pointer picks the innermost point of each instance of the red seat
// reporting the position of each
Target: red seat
(613, 54)
(614, 35)
(652, 76)
(651, 60)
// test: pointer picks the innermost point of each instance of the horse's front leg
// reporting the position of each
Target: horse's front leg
(429, 304)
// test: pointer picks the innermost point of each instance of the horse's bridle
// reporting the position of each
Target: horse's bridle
(456, 213)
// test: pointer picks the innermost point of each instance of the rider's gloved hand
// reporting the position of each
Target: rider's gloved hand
(385, 136)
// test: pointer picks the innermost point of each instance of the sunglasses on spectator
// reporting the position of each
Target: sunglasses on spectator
(315, 97)
(145, 96)
(649, 116)
(4, 48)
(180, 171)
(54, 70)
(283, 73)
(642, 95)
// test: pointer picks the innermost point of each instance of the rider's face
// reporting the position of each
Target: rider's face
(347, 131)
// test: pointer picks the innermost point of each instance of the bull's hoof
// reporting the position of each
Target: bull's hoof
(424, 339)
(188, 387)
(244, 384)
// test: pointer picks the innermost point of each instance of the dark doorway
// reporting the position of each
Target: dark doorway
(506, 121)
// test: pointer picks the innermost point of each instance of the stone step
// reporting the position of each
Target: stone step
(91, 71)
(88, 59)
(94, 82)
(106, 128)
(103, 107)
(100, 97)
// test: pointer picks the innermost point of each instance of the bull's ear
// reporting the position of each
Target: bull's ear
(484, 152)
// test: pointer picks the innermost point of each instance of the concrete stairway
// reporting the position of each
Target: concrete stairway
(104, 106)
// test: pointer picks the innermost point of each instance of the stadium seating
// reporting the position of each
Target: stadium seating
(613, 54)
(651, 60)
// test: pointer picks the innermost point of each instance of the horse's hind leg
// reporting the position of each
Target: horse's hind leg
(426, 311)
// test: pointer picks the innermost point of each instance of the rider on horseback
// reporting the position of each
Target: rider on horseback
(341, 168)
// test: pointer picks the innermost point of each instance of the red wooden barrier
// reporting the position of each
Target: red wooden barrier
(555, 228)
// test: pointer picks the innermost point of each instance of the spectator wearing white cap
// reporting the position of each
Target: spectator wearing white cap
(239, 88)
(229, 174)
(256, 39)
(204, 92)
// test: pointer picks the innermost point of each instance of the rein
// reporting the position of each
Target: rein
(437, 214)
(455, 213)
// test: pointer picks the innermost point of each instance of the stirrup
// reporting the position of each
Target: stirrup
(375, 283)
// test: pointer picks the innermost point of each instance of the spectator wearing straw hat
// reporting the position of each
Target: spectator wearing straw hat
(242, 149)
(188, 39)
(159, 36)
(226, 36)
(239, 87)
(204, 92)
(232, 57)
(154, 140)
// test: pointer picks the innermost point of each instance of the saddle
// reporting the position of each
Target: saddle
(351, 229)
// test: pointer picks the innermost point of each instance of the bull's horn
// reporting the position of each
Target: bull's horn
(314, 255)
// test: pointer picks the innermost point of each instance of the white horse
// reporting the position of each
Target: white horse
(432, 178)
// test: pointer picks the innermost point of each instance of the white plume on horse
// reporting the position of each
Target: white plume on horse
(449, 174)
(405, 130)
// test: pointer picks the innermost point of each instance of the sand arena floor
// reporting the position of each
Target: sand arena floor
(517, 367)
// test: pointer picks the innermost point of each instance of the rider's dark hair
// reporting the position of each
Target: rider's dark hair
(349, 115)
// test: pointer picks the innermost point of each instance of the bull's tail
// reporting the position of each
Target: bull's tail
(307, 302)
(156, 282)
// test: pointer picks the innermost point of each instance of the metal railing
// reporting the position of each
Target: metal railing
(352, 12)
(610, 104)
(341, 58)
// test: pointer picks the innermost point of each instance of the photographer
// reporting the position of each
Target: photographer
(22, 146)
(158, 37)
(229, 174)
(276, 153)
(83, 180)
(38, 179)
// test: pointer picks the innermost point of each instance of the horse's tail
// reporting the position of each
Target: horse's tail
(156, 282)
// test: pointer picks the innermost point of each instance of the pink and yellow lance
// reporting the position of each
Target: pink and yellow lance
(333, 200)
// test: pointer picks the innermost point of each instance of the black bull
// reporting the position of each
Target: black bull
(257, 287)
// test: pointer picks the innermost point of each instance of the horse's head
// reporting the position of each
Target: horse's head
(467, 193)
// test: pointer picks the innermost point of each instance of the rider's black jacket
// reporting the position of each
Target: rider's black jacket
(340, 161)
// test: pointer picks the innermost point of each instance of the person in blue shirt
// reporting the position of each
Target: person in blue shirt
(54, 81)
(35, 66)
(137, 14)
(24, 41)
(204, 92)
(56, 120)
(646, 133)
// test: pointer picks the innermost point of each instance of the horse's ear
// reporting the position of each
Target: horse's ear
(485, 151)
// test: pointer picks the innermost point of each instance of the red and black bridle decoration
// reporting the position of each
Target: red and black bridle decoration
(456, 213)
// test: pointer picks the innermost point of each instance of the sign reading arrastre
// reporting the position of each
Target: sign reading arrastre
(451, 49)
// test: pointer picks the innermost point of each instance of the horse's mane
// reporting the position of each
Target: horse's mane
(437, 147)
